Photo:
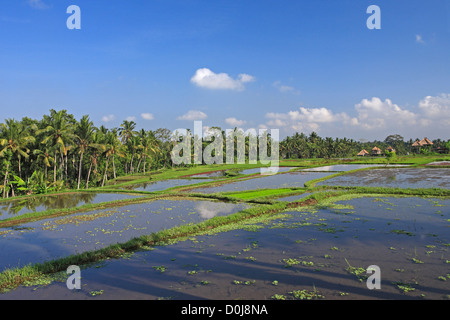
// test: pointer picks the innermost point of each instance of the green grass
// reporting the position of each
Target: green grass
(13, 277)
(262, 193)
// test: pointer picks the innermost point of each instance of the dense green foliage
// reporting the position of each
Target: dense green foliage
(60, 152)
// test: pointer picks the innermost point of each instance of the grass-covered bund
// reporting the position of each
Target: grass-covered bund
(264, 207)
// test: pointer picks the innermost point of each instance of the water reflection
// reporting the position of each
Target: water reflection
(348, 167)
(56, 237)
(282, 180)
(41, 203)
(162, 185)
(206, 211)
(394, 178)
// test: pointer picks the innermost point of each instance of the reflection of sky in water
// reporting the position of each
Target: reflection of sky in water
(221, 173)
(41, 203)
(424, 218)
(273, 170)
(163, 185)
(394, 178)
(206, 211)
(343, 167)
(53, 238)
(282, 180)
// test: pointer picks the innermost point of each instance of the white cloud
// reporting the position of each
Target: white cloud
(108, 118)
(304, 119)
(377, 114)
(284, 88)
(37, 4)
(206, 78)
(193, 115)
(372, 117)
(436, 107)
(130, 118)
(147, 116)
(436, 110)
(235, 122)
(419, 39)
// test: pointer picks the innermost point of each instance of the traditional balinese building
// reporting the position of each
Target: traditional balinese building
(376, 151)
(363, 153)
(425, 142)
(390, 149)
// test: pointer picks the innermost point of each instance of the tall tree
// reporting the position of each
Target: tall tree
(16, 138)
(58, 131)
(84, 136)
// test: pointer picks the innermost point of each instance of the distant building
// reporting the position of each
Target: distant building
(425, 142)
(376, 151)
(363, 153)
(390, 149)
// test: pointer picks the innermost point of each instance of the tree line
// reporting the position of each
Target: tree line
(58, 151)
(300, 145)
(61, 152)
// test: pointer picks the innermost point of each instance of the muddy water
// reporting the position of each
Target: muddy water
(62, 236)
(407, 238)
(36, 204)
(282, 180)
(394, 178)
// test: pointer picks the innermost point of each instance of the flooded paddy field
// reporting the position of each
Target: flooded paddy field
(281, 180)
(162, 185)
(349, 167)
(17, 207)
(76, 233)
(394, 178)
(223, 173)
(319, 253)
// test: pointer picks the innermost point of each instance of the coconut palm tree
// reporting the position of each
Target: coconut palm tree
(45, 157)
(16, 138)
(112, 148)
(96, 147)
(84, 135)
(126, 133)
(59, 132)
(149, 145)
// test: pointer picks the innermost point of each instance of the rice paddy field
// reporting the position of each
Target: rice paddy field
(310, 231)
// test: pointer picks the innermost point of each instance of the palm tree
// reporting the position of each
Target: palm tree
(44, 157)
(112, 148)
(149, 145)
(126, 133)
(58, 132)
(96, 146)
(84, 135)
(15, 138)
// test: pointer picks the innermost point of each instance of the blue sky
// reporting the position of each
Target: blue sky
(291, 65)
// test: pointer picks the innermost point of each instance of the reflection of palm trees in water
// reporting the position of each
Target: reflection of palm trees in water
(32, 204)
(141, 186)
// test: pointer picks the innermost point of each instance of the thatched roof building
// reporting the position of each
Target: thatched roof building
(416, 143)
(376, 151)
(390, 149)
(363, 153)
(424, 142)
